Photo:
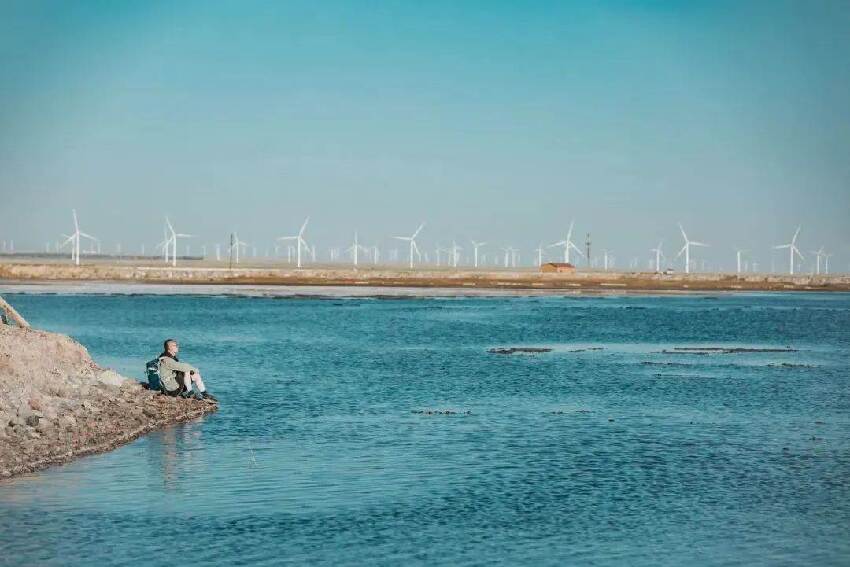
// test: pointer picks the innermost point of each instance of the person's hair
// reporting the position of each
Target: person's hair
(165, 344)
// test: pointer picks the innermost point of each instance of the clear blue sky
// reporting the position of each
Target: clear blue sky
(492, 120)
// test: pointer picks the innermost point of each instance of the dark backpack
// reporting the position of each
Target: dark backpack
(152, 372)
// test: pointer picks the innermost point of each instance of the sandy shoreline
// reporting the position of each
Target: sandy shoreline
(395, 281)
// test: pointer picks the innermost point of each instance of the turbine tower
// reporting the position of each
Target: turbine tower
(568, 244)
(818, 255)
(658, 255)
(686, 249)
(739, 253)
(455, 251)
(605, 258)
(475, 247)
(792, 249)
(299, 241)
(412, 240)
(539, 251)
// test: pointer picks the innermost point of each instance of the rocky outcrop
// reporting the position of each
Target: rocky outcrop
(56, 403)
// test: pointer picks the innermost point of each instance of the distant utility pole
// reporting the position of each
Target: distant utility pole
(587, 247)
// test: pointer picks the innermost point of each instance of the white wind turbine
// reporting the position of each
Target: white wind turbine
(658, 255)
(355, 248)
(739, 254)
(74, 239)
(507, 252)
(818, 255)
(792, 249)
(299, 241)
(475, 247)
(412, 240)
(455, 252)
(567, 243)
(686, 249)
(173, 240)
(235, 245)
(165, 244)
(826, 258)
(605, 258)
(539, 251)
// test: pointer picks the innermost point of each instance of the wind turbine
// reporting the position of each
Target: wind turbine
(658, 255)
(455, 249)
(539, 251)
(299, 241)
(818, 255)
(826, 258)
(165, 244)
(74, 239)
(412, 240)
(738, 256)
(567, 243)
(792, 249)
(507, 256)
(173, 239)
(475, 247)
(687, 249)
(355, 248)
(235, 244)
(605, 259)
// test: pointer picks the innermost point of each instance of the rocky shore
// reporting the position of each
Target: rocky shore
(57, 404)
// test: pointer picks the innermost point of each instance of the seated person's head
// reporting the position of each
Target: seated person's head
(170, 346)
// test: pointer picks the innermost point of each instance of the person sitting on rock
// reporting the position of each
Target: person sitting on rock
(178, 377)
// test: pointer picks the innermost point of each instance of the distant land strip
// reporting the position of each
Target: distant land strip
(418, 277)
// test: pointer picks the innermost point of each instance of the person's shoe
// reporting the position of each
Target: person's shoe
(186, 394)
(208, 396)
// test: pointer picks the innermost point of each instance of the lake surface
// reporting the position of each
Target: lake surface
(605, 451)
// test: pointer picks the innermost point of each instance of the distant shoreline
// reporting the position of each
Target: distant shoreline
(383, 278)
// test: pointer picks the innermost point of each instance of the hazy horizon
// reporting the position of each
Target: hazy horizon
(492, 122)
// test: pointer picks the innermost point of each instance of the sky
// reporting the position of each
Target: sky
(494, 121)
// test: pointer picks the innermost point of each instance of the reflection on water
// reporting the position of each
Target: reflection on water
(327, 448)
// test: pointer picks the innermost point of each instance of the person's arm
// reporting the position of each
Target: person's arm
(171, 364)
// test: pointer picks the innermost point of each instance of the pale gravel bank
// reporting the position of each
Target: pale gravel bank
(57, 404)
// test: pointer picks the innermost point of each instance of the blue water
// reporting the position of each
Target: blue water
(619, 456)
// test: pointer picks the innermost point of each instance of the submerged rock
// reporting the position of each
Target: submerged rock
(723, 350)
(515, 350)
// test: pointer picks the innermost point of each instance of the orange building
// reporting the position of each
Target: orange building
(558, 268)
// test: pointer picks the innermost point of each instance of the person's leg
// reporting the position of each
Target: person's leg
(186, 382)
(199, 383)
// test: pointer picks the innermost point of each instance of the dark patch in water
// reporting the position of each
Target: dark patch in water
(514, 350)
(441, 412)
(723, 350)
